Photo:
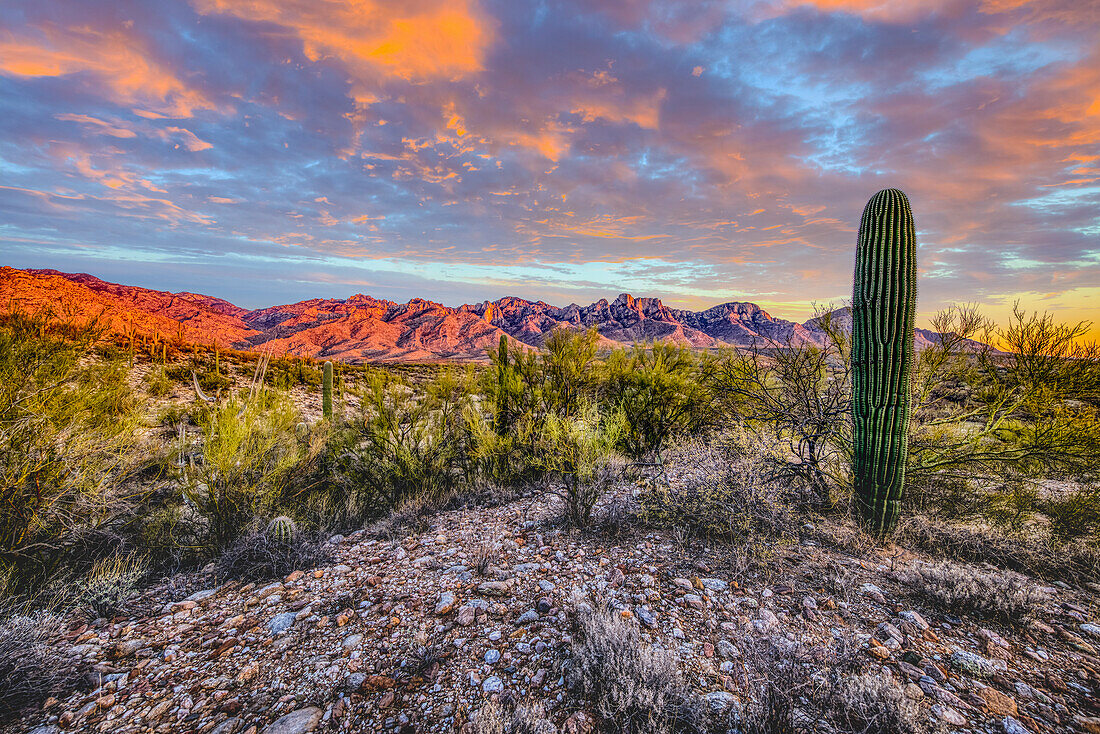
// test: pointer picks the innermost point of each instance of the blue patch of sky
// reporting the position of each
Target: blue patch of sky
(1011, 55)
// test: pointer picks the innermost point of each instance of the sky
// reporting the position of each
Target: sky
(268, 151)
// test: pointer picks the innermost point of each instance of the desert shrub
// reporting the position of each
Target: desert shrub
(577, 455)
(247, 452)
(157, 382)
(258, 555)
(410, 443)
(793, 687)
(33, 663)
(872, 704)
(565, 381)
(631, 687)
(661, 392)
(718, 491)
(1004, 596)
(68, 442)
(104, 590)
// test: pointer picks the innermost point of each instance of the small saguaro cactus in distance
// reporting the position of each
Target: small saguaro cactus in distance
(326, 391)
(884, 300)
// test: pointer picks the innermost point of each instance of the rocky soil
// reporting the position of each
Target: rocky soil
(417, 634)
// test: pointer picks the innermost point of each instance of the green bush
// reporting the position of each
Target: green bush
(661, 393)
(578, 454)
(247, 452)
(68, 442)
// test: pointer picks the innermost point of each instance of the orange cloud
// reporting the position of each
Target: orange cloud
(433, 39)
(116, 60)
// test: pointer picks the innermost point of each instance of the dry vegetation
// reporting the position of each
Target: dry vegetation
(103, 488)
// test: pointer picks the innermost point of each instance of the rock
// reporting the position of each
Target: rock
(495, 588)
(693, 600)
(578, 723)
(465, 616)
(646, 617)
(446, 603)
(948, 714)
(1012, 726)
(229, 726)
(975, 665)
(527, 618)
(281, 623)
(766, 622)
(1091, 629)
(296, 722)
(873, 592)
(716, 585)
(492, 684)
(719, 701)
(914, 618)
(681, 583)
(727, 649)
(998, 703)
(351, 642)
(543, 606)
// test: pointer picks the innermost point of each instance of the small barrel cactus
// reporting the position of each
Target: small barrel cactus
(883, 308)
(282, 529)
(326, 391)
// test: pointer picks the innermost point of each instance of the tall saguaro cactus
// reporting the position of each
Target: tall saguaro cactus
(326, 391)
(884, 301)
(501, 421)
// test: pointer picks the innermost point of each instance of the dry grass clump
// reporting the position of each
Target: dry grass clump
(258, 556)
(631, 687)
(495, 719)
(110, 583)
(30, 667)
(871, 704)
(1074, 562)
(1004, 596)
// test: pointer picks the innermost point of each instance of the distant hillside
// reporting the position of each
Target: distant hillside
(361, 328)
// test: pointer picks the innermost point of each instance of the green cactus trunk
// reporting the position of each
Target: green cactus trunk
(502, 420)
(883, 308)
(326, 391)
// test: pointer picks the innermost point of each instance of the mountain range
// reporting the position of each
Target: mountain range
(362, 328)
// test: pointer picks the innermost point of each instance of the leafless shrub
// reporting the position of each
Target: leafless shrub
(721, 492)
(778, 678)
(411, 517)
(105, 590)
(631, 687)
(424, 658)
(31, 668)
(1004, 595)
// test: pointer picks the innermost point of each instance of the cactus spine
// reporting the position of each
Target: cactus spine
(326, 391)
(282, 529)
(883, 307)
